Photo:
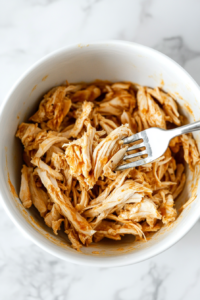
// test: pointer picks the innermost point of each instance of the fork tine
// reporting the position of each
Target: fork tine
(133, 164)
(132, 138)
(136, 147)
(135, 155)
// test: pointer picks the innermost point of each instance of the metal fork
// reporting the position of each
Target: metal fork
(156, 141)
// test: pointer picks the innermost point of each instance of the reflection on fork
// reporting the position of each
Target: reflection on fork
(155, 141)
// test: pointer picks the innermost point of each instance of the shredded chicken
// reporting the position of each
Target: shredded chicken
(38, 196)
(79, 157)
(87, 108)
(24, 194)
(72, 148)
(107, 148)
(54, 219)
(53, 108)
(144, 210)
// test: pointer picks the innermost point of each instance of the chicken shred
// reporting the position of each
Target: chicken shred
(72, 147)
(25, 194)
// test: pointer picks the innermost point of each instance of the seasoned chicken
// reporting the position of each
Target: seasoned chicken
(79, 157)
(106, 124)
(167, 210)
(38, 196)
(112, 164)
(59, 162)
(84, 200)
(89, 94)
(151, 114)
(116, 102)
(27, 133)
(54, 219)
(73, 237)
(191, 153)
(104, 149)
(144, 210)
(65, 206)
(39, 163)
(127, 119)
(72, 148)
(24, 194)
(169, 105)
(129, 190)
(107, 228)
(119, 180)
(53, 108)
(86, 110)
(46, 144)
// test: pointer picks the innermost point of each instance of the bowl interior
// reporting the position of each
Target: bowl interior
(114, 61)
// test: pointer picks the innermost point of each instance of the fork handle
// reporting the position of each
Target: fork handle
(185, 129)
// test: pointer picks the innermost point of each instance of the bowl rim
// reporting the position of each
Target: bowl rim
(33, 235)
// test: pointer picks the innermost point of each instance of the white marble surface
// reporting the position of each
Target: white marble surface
(30, 29)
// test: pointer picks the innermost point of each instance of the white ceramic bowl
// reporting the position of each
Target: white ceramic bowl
(115, 61)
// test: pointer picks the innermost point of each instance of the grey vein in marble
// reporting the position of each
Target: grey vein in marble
(89, 4)
(145, 14)
(177, 49)
(152, 288)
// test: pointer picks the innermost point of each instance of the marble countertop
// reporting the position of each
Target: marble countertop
(28, 31)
